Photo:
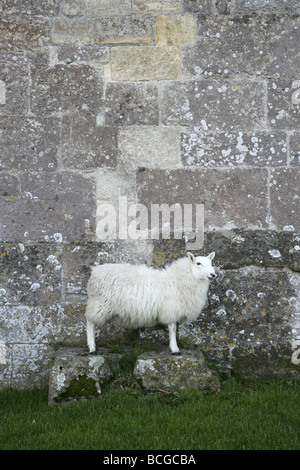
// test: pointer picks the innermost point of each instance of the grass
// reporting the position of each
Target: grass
(246, 416)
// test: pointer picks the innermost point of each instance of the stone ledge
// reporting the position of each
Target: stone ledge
(78, 375)
(162, 371)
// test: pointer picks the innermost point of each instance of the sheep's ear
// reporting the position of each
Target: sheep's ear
(190, 257)
(211, 255)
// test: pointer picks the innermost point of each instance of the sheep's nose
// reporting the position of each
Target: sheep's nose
(212, 276)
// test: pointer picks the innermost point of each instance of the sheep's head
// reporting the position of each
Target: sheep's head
(201, 267)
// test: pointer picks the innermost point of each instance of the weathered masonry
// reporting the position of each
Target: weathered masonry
(161, 101)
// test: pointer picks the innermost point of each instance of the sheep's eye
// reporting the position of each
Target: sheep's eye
(199, 263)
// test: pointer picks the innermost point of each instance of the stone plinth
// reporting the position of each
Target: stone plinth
(76, 374)
(162, 371)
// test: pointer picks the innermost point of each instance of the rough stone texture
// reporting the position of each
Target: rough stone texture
(23, 148)
(213, 104)
(174, 30)
(156, 101)
(79, 54)
(63, 87)
(36, 206)
(73, 7)
(23, 33)
(266, 6)
(75, 31)
(284, 192)
(204, 149)
(128, 30)
(76, 374)
(283, 111)
(295, 150)
(14, 75)
(151, 147)
(232, 198)
(146, 63)
(108, 8)
(256, 46)
(86, 145)
(29, 7)
(162, 371)
(156, 6)
(40, 281)
(132, 104)
(252, 313)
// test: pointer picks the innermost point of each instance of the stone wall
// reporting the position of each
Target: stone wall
(158, 101)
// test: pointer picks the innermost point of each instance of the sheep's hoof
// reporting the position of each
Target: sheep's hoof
(93, 353)
(176, 353)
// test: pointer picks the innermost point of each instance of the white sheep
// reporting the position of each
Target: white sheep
(136, 296)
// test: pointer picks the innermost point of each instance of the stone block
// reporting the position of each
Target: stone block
(256, 312)
(14, 77)
(295, 150)
(107, 8)
(162, 371)
(22, 33)
(129, 104)
(242, 7)
(76, 374)
(261, 248)
(227, 47)
(150, 147)
(216, 105)
(77, 260)
(145, 63)
(25, 325)
(251, 312)
(113, 184)
(29, 143)
(283, 110)
(86, 145)
(73, 7)
(200, 7)
(231, 198)
(156, 6)
(284, 194)
(283, 36)
(79, 55)
(174, 30)
(30, 274)
(28, 7)
(47, 324)
(9, 187)
(59, 207)
(256, 45)
(125, 30)
(72, 31)
(262, 149)
(70, 87)
(31, 365)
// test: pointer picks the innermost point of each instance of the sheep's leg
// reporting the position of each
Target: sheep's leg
(90, 331)
(172, 339)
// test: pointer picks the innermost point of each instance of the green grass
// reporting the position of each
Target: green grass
(253, 416)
